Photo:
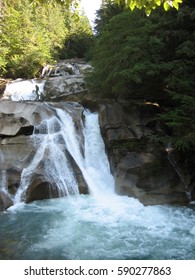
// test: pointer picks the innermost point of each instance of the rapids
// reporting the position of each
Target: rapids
(82, 227)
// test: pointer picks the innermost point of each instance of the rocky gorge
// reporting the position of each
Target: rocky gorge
(142, 169)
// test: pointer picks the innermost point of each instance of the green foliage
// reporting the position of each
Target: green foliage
(3, 61)
(152, 58)
(149, 5)
(105, 13)
(128, 57)
(29, 36)
(180, 83)
(67, 3)
(79, 38)
(34, 33)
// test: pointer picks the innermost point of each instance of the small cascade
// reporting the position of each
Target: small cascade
(170, 157)
(57, 141)
(94, 163)
(20, 90)
(96, 160)
(51, 159)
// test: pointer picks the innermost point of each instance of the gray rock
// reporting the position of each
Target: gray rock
(141, 169)
(5, 201)
(64, 79)
(58, 88)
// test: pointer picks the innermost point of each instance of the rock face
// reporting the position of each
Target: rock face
(141, 169)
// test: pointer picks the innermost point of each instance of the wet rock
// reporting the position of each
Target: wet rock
(40, 189)
(20, 90)
(141, 168)
(5, 201)
(58, 88)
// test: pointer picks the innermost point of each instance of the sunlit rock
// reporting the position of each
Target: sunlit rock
(65, 79)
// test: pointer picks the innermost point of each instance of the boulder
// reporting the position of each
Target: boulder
(127, 120)
(58, 88)
(64, 79)
(40, 189)
(5, 201)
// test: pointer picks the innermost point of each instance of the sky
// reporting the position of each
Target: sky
(90, 7)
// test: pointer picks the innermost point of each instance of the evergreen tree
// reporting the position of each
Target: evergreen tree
(180, 83)
(29, 37)
(128, 58)
(151, 58)
(33, 35)
(105, 13)
(79, 38)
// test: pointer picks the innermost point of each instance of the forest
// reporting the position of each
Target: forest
(138, 52)
(34, 33)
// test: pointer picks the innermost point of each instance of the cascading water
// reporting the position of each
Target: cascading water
(53, 140)
(19, 90)
(96, 161)
(100, 225)
(56, 137)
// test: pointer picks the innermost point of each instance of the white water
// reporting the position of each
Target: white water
(20, 90)
(79, 227)
(96, 161)
(53, 138)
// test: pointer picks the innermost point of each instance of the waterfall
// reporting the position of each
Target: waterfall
(101, 225)
(56, 140)
(96, 161)
(94, 164)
